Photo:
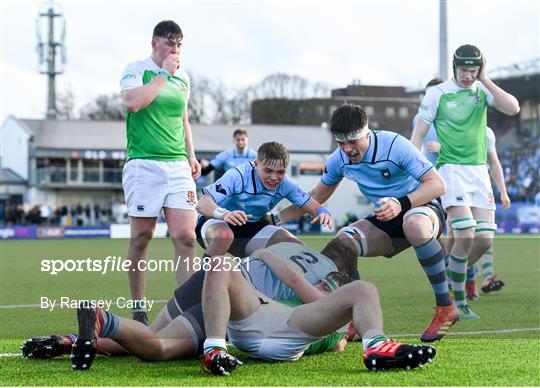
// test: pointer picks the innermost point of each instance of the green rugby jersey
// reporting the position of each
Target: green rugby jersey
(323, 345)
(460, 119)
(157, 131)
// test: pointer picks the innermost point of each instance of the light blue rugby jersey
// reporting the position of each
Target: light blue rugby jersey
(431, 135)
(313, 264)
(392, 166)
(231, 158)
(241, 189)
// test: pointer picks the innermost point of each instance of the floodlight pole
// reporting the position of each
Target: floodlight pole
(443, 41)
(50, 50)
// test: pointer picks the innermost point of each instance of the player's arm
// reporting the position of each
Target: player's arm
(496, 172)
(419, 133)
(218, 162)
(319, 213)
(291, 275)
(140, 97)
(210, 209)
(431, 186)
(433, 146)
(502, 101)
(190, 149)
(319, 194)
(206, 167)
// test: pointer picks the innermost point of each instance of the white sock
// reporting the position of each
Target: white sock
(373, 338)
(211, 343)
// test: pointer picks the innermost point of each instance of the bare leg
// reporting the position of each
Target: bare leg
(226, 295)
(357, 301)
(181, 225)
(483, 240)
(220, 238)
(141, 232)
(173, 342)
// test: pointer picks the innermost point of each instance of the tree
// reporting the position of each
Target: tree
(65, 105)
(104, 107)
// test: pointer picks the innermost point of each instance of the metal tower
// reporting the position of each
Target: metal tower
(51, 31)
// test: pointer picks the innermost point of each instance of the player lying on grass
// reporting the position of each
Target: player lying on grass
(233, 208)
(178, 331)
(268, 330)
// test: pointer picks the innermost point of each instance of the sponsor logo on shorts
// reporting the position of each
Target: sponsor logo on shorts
(386, 173)
(140, 208)
(451, 104)
(459, 198)
(191, 198)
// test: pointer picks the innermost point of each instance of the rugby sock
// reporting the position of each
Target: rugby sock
(457, 270)
(139, 306)
(109, 324)
(373, 338)
(212, 343)
(487, 264)
(446, 262)
(431, 258)
(471, 273)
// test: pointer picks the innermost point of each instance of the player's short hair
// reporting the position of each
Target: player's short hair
(167, 29)
(347, 120)
(239, 132)
(271, 152)
(343, 257)
(434, 82)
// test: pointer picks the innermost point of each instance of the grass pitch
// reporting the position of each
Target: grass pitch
(502, 349)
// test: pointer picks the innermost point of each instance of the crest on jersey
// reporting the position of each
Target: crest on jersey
(220, 189)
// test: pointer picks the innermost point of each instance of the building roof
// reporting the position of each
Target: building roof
(8, 176)
(110, 135)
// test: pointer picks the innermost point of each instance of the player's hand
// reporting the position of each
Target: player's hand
(324, 217)
(171, 63)
(387, 208)
(195, 167)
(204, 163)
(236, 217)
(433, 146)
(482, 74)
(505, 199)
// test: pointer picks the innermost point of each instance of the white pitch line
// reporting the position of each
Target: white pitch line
(26, 306)
(402, 335)
(479, 332)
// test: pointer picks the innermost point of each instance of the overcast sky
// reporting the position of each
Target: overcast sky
(380, 42)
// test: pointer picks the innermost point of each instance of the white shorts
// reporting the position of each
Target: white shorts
(150, 185)
(467, 185)
(265, 334)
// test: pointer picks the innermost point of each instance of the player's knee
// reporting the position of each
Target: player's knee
(221, 233)
(417, 227)
(483, 241)
(364, 290)
(141, 240)
(186, 238)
